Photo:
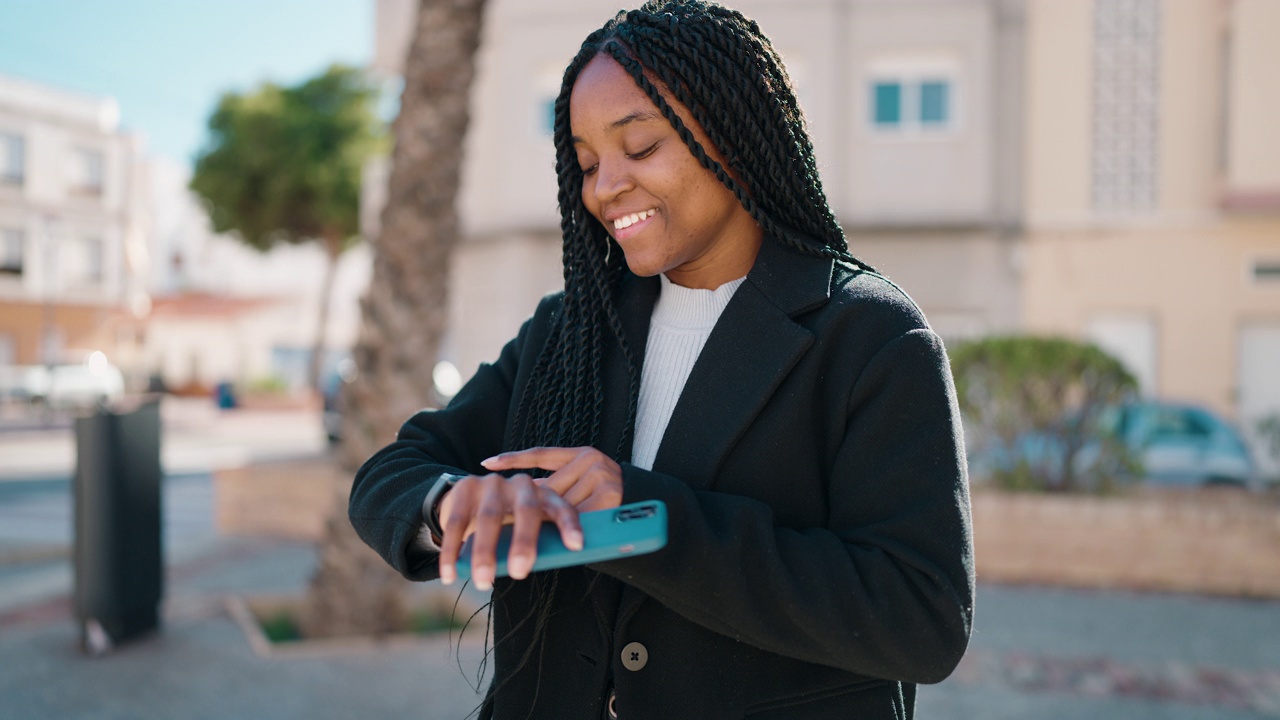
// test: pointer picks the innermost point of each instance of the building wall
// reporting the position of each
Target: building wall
(1253, 100)
(1183, 273)
(937, 211)
(82, 243)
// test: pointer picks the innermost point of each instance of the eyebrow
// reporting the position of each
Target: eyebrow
(637, 116)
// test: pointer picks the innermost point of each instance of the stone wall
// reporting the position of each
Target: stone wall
(289, 499)
(1222, 542)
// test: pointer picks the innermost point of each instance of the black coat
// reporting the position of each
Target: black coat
(820, 558)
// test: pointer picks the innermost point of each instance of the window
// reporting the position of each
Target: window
(11, 249)
(87, 172)
(887, 104)
(12, 159)
(1266, 271)
(912, 100)
(933, 102)
(83, 261)
(549, 115)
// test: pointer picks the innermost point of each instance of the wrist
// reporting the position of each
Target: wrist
(431, 504)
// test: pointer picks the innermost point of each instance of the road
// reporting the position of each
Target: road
(1044, 653)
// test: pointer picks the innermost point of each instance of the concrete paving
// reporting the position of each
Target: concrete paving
(1036, 652)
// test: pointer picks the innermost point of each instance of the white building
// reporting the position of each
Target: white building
(73, 226)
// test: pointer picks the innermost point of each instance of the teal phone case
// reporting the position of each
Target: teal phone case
(624, 531)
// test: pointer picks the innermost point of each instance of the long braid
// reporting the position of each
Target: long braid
(718, 64)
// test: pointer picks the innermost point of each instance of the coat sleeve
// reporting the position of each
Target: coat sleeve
(386, 497)
(885, 589)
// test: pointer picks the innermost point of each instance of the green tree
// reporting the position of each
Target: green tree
(282, 165)
(403, 313)
(1052, 390)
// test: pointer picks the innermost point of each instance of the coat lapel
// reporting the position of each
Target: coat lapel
(754, 345)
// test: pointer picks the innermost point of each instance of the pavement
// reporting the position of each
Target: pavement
(1036, 652)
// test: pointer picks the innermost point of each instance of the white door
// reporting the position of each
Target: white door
(1259, 385)
(1131, 339)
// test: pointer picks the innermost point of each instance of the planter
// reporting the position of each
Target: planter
(289, 499)
(259, 616)
(1219, 542)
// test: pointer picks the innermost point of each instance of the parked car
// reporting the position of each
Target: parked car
(62, 387)
(1175, 444)
(1187, 445)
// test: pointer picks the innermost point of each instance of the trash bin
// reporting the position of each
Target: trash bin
(117, 552)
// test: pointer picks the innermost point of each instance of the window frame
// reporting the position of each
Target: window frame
(911, 76)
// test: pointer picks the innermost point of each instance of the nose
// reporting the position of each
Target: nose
(611, 181)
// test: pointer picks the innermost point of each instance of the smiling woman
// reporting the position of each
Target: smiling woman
(652, 196)
(715, 348)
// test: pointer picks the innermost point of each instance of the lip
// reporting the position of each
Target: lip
(631, 230)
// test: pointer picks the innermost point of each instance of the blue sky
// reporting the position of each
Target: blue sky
(166, 62)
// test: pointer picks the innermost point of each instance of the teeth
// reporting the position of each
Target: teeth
(629, 220)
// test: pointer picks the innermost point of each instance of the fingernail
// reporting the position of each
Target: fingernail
(520, 566)
(483, 578)
(485, 462)
(574, 540)
(447, 574)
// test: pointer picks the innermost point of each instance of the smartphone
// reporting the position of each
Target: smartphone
(624, 531)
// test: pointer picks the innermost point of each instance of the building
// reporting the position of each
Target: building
(1102, 170)
(1152, 195)
(916, 126)
(73, 224)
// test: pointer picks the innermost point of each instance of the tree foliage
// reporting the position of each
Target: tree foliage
(283, 165)
(1031, 405)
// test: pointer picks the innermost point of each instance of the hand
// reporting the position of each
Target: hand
(480, 506)
(585, 477)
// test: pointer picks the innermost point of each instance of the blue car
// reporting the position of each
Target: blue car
(1182, 444)
(1175, 444)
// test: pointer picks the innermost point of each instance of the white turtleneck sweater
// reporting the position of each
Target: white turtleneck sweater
(681, 323)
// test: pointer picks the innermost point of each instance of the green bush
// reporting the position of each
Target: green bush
(1022, 394)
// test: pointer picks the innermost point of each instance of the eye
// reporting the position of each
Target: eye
(590, 170)
(643, 153)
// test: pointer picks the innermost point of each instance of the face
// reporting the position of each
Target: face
(668, 213)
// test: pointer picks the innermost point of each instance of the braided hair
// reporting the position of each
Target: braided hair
(719, 65)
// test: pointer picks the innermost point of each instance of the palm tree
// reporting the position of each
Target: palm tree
(404, 311)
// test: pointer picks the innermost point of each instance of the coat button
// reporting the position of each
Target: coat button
(634, 656)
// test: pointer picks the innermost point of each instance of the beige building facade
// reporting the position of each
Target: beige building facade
(1102, 170)
(73, 224)
(915, 111)
(1153, 192)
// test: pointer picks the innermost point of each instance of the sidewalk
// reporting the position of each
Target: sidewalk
(1036, 653)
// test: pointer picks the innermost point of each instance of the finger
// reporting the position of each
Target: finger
(488, 523)
(567, 476)
(564, 516)
(603, 497)
(528, 521)
(455, 516)
(546, 458)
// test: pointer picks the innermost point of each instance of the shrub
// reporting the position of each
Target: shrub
(1030, 404)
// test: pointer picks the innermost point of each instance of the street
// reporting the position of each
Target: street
(1035, 653)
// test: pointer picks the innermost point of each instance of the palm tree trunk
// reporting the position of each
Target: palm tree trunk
(404, 312)
(333, 249)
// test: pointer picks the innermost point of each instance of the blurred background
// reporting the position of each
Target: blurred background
(1102, 172)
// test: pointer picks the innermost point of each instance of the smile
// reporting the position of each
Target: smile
(627, 221)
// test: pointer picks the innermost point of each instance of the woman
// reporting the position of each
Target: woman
(716, 348)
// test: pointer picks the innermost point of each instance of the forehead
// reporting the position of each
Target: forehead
(605, 93)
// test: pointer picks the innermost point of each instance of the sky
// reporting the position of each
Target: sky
(166, 62)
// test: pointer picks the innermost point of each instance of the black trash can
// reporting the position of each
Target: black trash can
(119, 563)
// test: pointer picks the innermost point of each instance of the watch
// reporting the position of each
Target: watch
(431, 504)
